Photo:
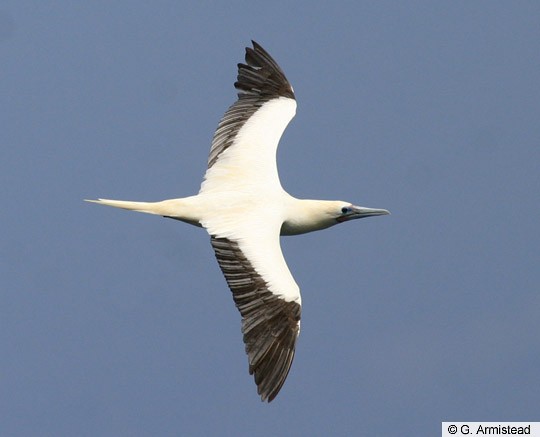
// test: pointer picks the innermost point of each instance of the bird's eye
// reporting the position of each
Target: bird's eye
(345, 209)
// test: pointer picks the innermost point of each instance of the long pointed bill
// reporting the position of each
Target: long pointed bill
(358, 212)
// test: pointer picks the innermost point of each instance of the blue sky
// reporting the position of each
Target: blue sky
(115, 323)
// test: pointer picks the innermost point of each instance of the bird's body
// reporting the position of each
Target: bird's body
(244, 208)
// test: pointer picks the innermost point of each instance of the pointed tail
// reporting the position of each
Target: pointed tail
(148, 207)
(187, 209)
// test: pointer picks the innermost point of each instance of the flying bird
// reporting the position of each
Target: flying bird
(244, 208)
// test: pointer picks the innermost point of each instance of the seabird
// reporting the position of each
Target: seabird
(244, 208)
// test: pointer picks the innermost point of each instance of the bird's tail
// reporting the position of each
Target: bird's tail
(147, 207)
(187, 209)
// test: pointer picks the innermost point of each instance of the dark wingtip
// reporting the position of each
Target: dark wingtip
(261, 75)
(256, 45)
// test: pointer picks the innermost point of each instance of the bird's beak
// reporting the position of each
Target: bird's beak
(358, 212)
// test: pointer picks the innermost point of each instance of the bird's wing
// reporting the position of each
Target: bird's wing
(245, 142)
(244, 223)
(268, 299)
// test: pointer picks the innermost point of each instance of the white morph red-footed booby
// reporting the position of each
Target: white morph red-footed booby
(244, 208)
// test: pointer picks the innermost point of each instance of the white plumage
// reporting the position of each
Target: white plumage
(245, 210)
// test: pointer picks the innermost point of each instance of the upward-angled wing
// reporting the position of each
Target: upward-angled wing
(269, 301)
(242, 191)
(246, 139)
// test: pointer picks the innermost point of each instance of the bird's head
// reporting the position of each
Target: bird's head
(343, 212)
(314, 215)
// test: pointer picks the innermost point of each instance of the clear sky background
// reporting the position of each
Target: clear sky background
(114, 323)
